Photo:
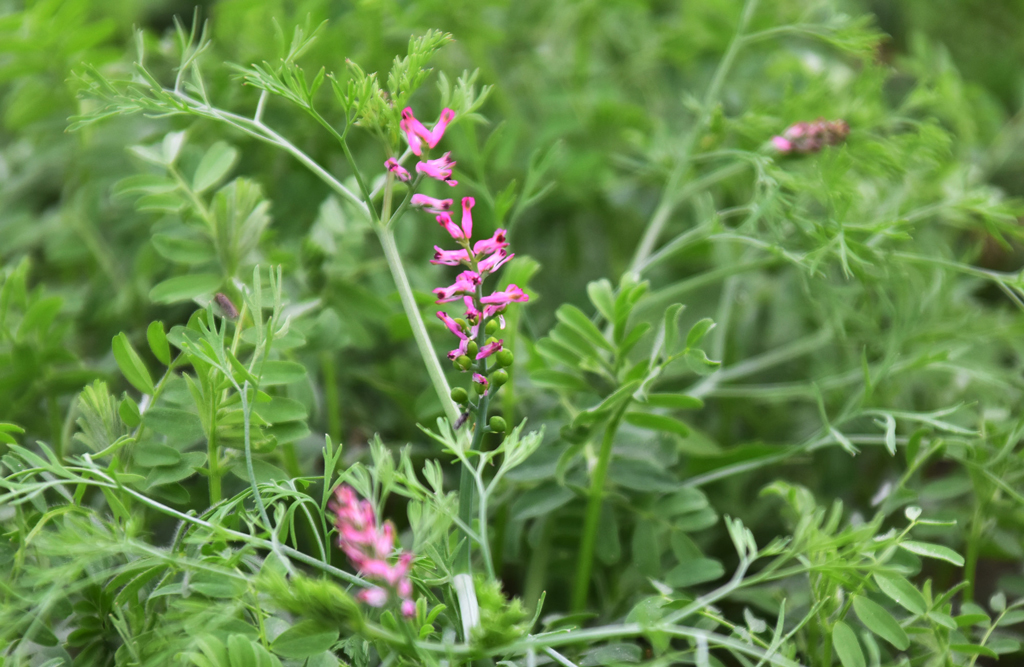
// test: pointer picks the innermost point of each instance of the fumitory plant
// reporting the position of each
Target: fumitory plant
(712, 357)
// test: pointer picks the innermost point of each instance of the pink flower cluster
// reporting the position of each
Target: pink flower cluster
(368, 546)
(417, 134)
(806, 137)
(480, 259)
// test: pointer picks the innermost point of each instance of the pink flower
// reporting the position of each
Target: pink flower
(452, 325)
(494, 262)
(480, 379)
(408, 608)
(782, 145)
(488, 350)
(398, 170)
(416, 131)
(447, 116)
(430, 204)
(804, 137)
(441, 169)
(462, 349)
(493, 244)
(467, 217)
(465, 283)
(510, 295)
(375, 597)
(449, 257)
(368, 545)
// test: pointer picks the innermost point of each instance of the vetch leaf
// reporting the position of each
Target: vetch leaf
(214, 166)
(693, 572)
(880, 622)
(157, 339)
(131, 365)
(847, 647)
(183, 288)
(937, 551)
(303, 640)
(675, 401)
(575, 319)
(698, 331)
(600, 293)
(282, 372)
(658, 423)
(902, 592)
(540, 500)
(183, 250)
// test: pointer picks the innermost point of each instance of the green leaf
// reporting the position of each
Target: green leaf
(128, 410)
(214, 166)
(902, 592)
(304, 640)
(675, 401)
(180, 426)
(657, 423)
(880, 622)
(281, 409)
(183, 250)
(540, 500)
(601, 295)
(146, 184)
(693, 572)
(575, 319)
(131, 365)
(974, 649)
(39, 316)
(646, 549)
(937, 551)
(265, 472)
(671, 326)
(559, 380)
(183, 288)
(282, 372)
(158, 342)
(846, 645)
(154, 454)
(641, 475)
(698, 331)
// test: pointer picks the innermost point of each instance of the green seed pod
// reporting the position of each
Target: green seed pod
(504, 358)
(491, 327)
(472, 348)
(498, 378)
(460, 395)
(479, 388)
(498, 424)
(490, 340)
(462, 323)
(463, 363)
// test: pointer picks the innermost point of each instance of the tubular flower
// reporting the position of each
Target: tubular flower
(430, 204)
(441, 169)
(368, 545)
(391, 164)
(449, 257)
(493, 244)
(489, 349)
(416, 132)
(452, 325)
(465, 283)
(494, 262)
(510, 295)
(806, 137)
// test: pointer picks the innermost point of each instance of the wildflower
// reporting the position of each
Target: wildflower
(441, 169)
(430, 204)
(466, 230)
(807, 137)
(368, 546)
(401, 172)
(489, 349)
(480, 383)
(510, 295)
(452, 325)
(493, 244)
(415, 131)
(449, 257)
(494, 262)
(465, 283)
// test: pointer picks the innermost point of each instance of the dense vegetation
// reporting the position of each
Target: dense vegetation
(748, 392)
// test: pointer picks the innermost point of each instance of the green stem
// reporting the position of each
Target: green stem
(213, 453)
(537, 571)
(971, 558)
(419, 330)
(467, 491)
(586, 559)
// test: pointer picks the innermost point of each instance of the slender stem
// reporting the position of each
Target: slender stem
(586, 559)
(670, 197)
(971, 558)
(213, 453)
(467, 491)
(536, 573)
(419, 330)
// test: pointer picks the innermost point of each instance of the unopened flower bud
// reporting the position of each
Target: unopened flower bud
(498, 378)
(490, 340)
(491, 327)
(498, 424)
(479, 388)
(505, 358)
(472, 348)
(228, 308)
(459, 395)
(462, 323)
(463, 362)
